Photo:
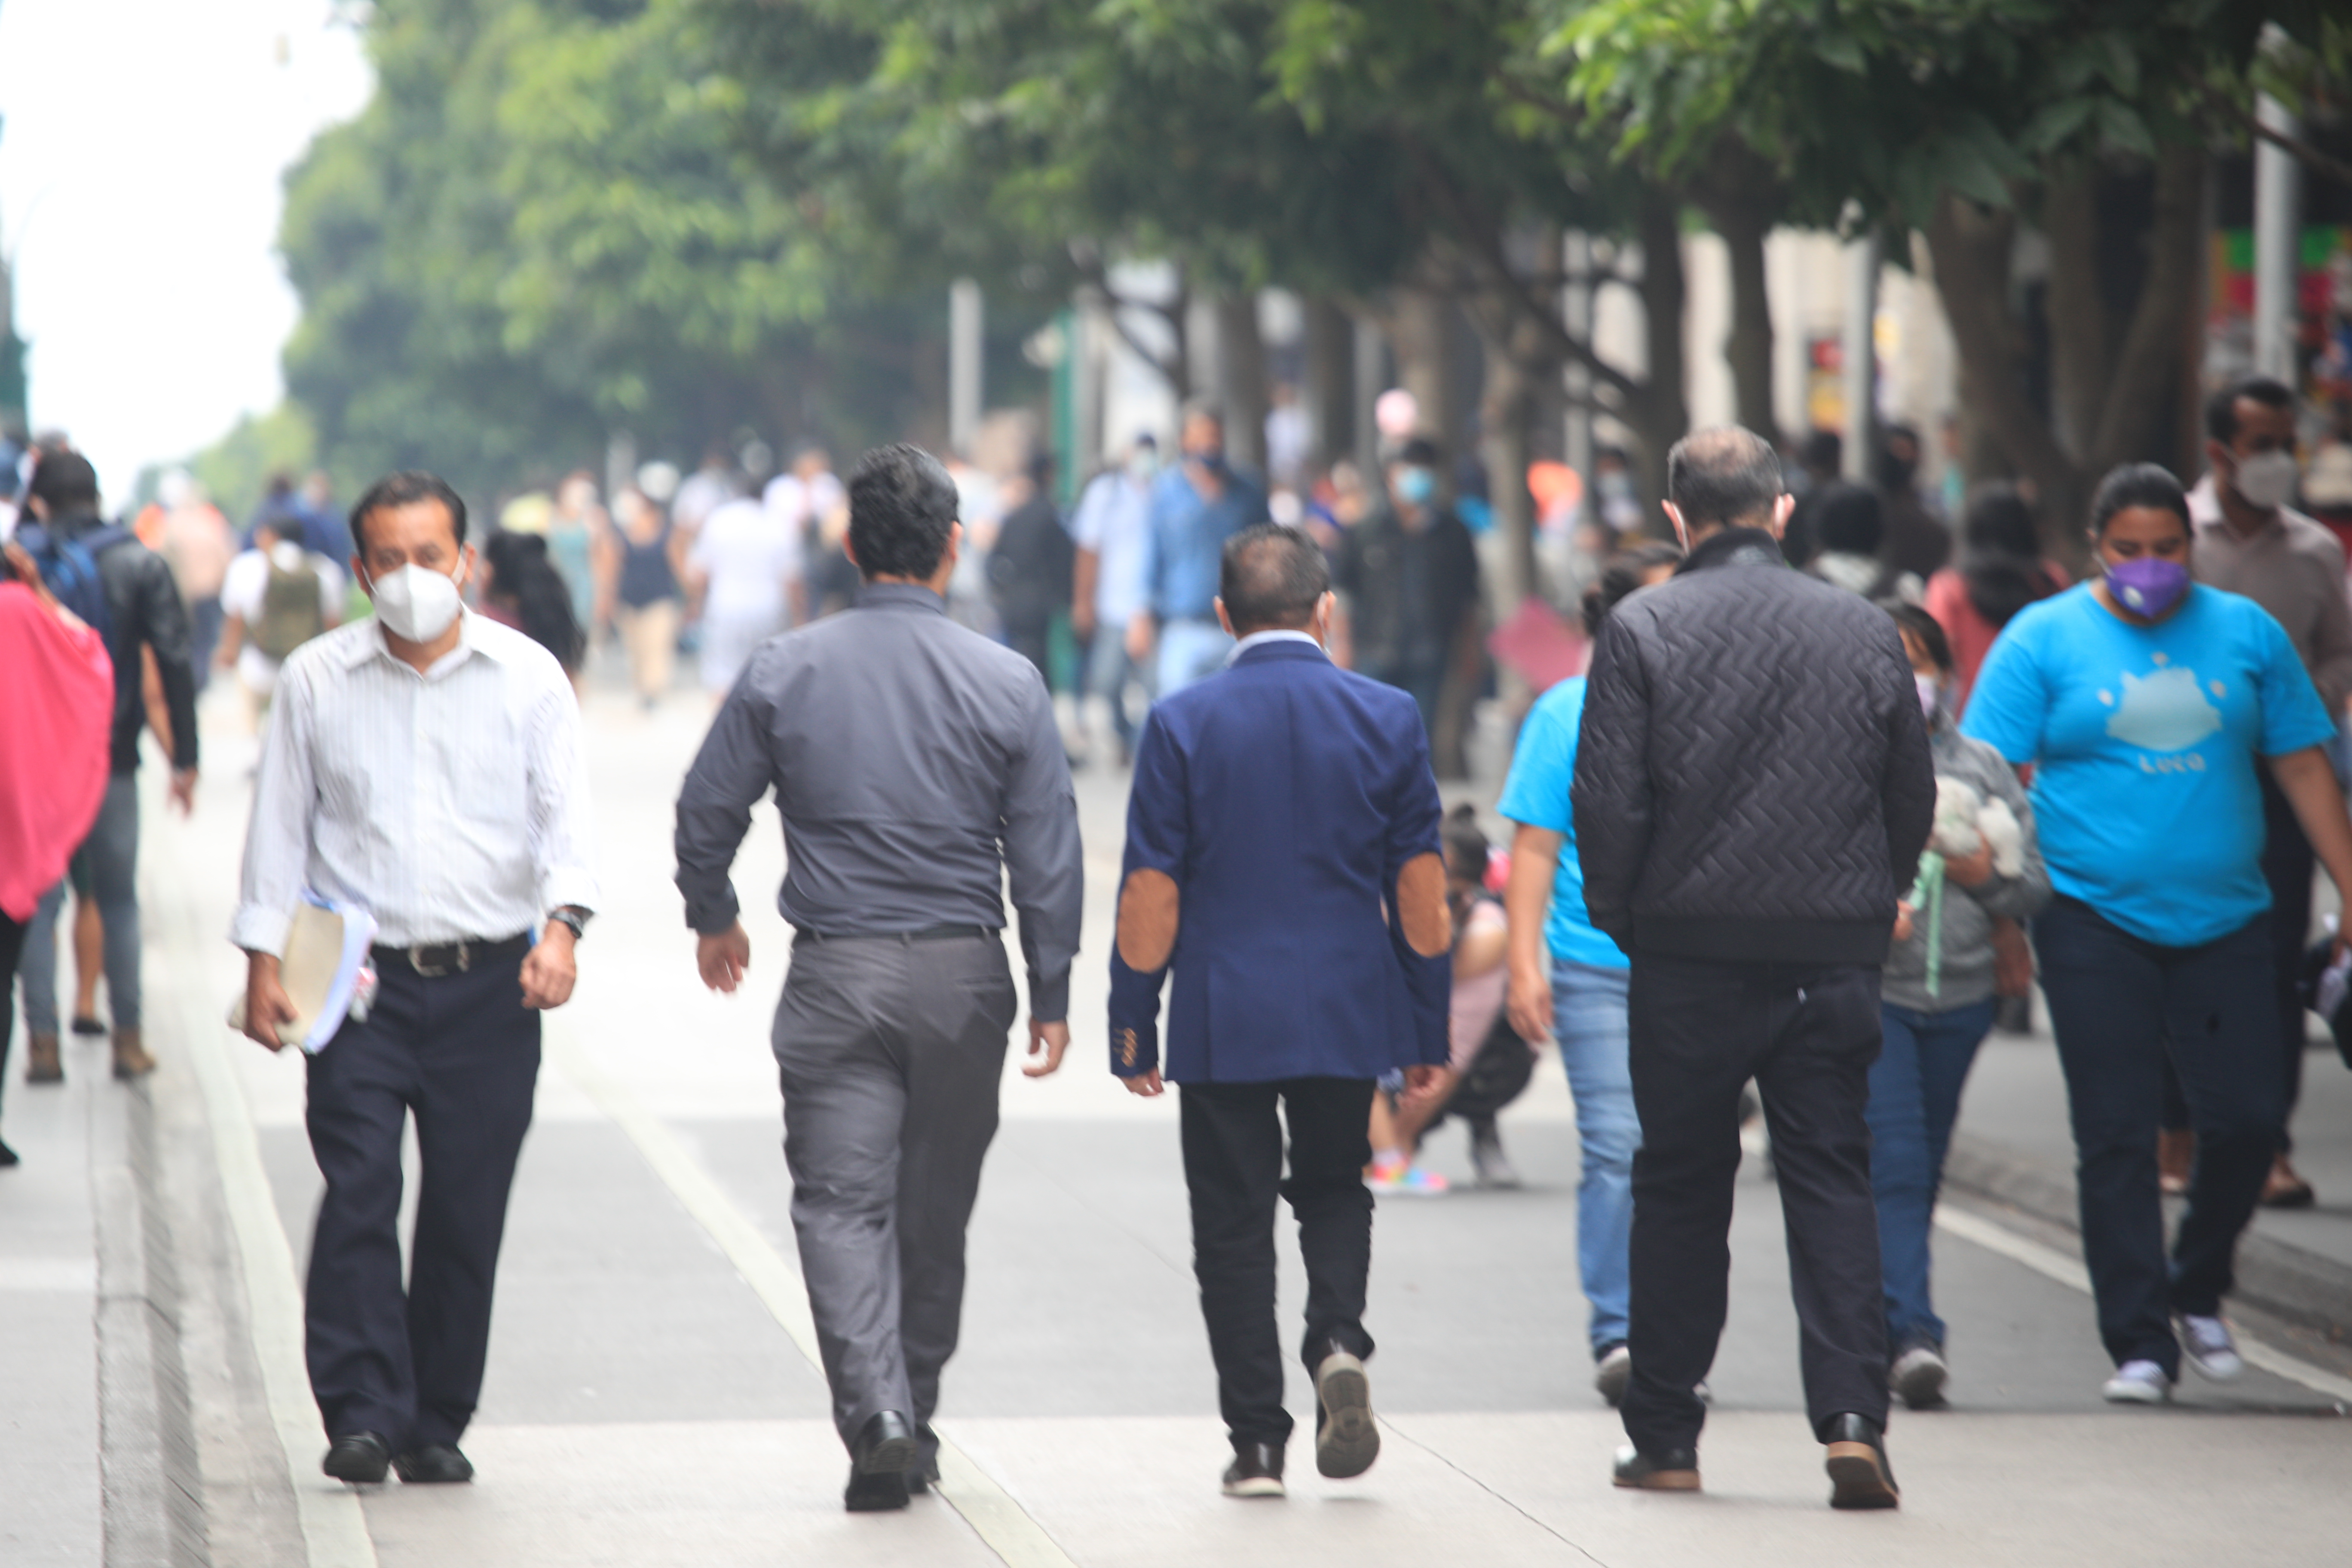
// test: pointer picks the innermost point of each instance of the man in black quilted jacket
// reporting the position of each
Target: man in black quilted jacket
(1752, 792)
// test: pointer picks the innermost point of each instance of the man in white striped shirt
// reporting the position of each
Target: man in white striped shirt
(424, 764)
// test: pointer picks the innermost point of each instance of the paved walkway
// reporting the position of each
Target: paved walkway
(650, 1399)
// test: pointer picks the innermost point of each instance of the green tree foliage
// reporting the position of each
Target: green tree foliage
(543, 228)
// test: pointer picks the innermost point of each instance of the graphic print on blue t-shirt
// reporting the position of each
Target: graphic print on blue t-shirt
(2147, 743)
(2164, 711)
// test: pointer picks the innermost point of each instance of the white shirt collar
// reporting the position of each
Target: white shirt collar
(1258, 639)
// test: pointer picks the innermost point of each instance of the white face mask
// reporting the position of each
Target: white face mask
(1931, 692)
(2267, 480)
(415, 602)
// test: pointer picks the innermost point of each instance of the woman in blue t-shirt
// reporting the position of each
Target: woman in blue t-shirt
(1568, 979)
(2147, 703)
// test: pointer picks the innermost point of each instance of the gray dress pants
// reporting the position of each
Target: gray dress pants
(889, 1051)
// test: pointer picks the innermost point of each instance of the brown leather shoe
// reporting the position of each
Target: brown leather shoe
(2176, 1157)
(2284, 1189)
(41, 1062)
(131, 1057)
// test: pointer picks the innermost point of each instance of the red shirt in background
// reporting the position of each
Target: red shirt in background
(1970, 635)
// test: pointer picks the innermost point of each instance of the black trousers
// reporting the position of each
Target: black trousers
(1807, 1034)
(2288, 866)
(1233, 1167)
(460, 1053)
(2124, 1012)
(12, 942)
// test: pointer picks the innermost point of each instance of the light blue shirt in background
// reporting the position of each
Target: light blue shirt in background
(1535, 795)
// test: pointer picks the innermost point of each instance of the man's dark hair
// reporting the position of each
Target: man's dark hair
(1206, 407)
(1723, 475)
(1850, 519)
(1272, 578)
(65, 483)
(2137, 484)
(1621, 578)
(2222, 408)
(406, 489)
(902, 507)
(1420, 452)
(1823, 451)
(1920, 624)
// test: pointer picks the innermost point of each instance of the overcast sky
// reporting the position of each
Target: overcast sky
(139, 165)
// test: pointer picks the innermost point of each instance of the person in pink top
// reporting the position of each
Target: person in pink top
(56, 716)
(2001, 570)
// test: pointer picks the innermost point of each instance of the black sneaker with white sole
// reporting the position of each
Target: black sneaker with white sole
(1347, 1439)
(1257, 1470)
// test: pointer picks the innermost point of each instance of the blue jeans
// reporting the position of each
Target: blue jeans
(1588, 1021)
(113, 847)
(1914, 1098)
(1109, 672)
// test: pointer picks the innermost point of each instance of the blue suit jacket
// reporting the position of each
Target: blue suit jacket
(1283, 795)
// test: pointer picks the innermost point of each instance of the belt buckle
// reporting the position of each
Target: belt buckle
(435, 971)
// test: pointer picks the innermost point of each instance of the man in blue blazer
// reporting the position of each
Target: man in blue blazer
(1283, 861)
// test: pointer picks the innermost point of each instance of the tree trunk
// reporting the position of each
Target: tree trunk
(1330, 380)
(1971, 244)
(2135, 419)
(1662, 415)
(1740, 198)
(1506, 409)
(1421, 330)
(2081, 366)
(1241, 362)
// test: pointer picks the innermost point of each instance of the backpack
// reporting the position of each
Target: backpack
(290, 615)
(68, 568)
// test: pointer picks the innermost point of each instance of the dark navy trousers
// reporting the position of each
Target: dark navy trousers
(460, 1053)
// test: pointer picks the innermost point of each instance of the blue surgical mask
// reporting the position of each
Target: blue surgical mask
(1415, 485)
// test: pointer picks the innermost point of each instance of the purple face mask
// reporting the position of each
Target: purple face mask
(2147, 585)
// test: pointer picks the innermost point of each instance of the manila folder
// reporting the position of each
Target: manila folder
(314, 953)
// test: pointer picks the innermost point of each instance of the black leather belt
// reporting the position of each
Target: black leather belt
(430, 960)
(931, 933)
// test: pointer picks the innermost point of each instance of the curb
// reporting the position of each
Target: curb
(2300, 1287)
(153, 1485)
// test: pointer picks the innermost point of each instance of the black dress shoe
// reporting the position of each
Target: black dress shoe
(1860, 1476)
(359, 1458)
(1257, 1470)
(1664, 1471)
(879, 1458)
(925, 1475)
(434, 1464)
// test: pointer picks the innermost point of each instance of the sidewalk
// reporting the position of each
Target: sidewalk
(2013, 1146)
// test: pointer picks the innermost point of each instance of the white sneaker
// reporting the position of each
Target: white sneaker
(2207, 1343)
(1612, 1372)
(2137, 1382)
(1920, 1375)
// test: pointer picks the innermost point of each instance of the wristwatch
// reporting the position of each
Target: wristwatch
(576, 918)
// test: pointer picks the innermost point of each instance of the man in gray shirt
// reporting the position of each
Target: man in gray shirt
(915, 763)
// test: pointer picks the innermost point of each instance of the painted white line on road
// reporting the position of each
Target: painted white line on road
(334, 1528)
(2069, 1271)
(988, 1508)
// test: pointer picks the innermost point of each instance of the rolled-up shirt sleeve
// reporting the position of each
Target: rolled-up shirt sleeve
(1042, 860)
(278, 839)
(562, 828)
(731, 774)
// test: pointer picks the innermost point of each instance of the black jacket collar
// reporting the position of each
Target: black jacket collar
(1733, 547)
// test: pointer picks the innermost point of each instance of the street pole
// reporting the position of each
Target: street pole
(965, 347)
(1858, 349)
(1575, 315)
(2277, 196)
(1371, 379)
